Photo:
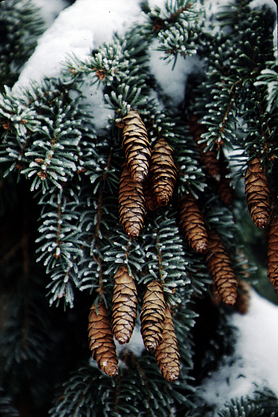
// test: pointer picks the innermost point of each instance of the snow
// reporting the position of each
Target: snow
(135, 345)
(164, 72)
(76, 31)
(254, 364)
(50, 9)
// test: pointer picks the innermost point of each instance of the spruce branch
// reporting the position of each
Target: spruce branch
(16, 46)
(48, 139)
(164, 258)
(6, 405)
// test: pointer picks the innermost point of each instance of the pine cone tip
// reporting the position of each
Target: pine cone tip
(110, 369)
(201, 247)
(261, 222)
(171, 376)
(230, 299)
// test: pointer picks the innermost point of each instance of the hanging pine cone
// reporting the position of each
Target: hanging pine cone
(151, 204)
(243, 297)
(224, 188)
(167, 352)
(124, 310)
(257, 192)
(208, 158)
(152, 315)
(272, 252)
(131, 204)
(191, 223)
(216, 299)
(221, 270)
(101, 340)
(163, 172)
(136, 146)
(225, 191)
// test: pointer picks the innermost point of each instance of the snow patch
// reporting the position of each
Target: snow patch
(50, 9)
(135, 345)
(76, 31)
(254, 364)
(172, 80)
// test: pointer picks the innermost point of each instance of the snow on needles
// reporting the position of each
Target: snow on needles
(77, 30)
(254, 364)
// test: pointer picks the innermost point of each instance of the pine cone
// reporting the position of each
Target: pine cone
(243, 297)
(191, 223)
(124, 310)
(272, 252)
(163, 172)
(257, 193)
(151, 204)
(136, 146)
(215, 297)
(224, 188)
(101, 340)
(208, 159)
(225, 191)
(167, 353)
(131, 204)
(220, 268)
(152, 315)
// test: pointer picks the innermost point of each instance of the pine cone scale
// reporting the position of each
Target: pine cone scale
(272, 252)
(101, 341)
(191, 223)
(136, 146)
(257, 192)
(152, 315)
(221, 270)
(131, 204)
(124, 305)
(163, 172)
(166, 353)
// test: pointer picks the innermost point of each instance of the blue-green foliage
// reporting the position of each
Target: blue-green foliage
(139, 389)
(20, 26)
(234, 110)
(263, 403)
(49, 140)
(6, 405)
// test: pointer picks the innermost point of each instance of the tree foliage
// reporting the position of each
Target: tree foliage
(62, 241)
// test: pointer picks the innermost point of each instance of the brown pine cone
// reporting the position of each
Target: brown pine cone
(208, 158)
(191, 223)
(224, 188)
(152, 315)
(163, 172)
(215, 297)
(225, 191)
(136, 146)
(167, 352)
(151, 204)
(272, 252)
(221, 270)
(257, 192)
(124, 310)
(131, 204)
(243, 297)
(101, 340)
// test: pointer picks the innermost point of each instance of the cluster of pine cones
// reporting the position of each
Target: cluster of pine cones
(156, 326)
(257, 196)
(147, 181)
(148, 175)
